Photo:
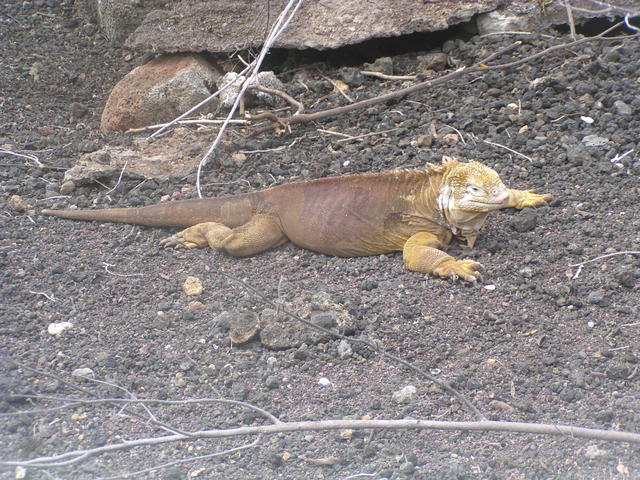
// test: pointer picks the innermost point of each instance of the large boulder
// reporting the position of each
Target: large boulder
(230, 25)
(159, 91)
(224, 26)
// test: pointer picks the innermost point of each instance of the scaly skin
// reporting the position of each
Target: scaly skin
(416, 212)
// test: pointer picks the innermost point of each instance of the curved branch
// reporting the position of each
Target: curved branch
(75, 456)
(479, 68)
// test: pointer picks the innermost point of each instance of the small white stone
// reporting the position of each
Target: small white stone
(82, 372)
(490, 287)
(344, 349)
(325, 382)
(58, 328)
(593, 452)
(197, 472)
(588, 120)
(405, 394)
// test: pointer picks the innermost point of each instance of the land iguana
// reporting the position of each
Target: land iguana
(413, 211)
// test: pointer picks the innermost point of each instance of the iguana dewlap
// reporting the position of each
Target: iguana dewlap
(413, 211)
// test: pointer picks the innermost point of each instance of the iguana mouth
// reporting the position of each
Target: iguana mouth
(474, 203)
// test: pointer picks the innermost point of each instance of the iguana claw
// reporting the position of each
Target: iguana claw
(529, 198)
(174, 241)
(466, 270)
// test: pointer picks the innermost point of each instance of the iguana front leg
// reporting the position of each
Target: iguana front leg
(260, 233)
(526, 198)
(421, 254)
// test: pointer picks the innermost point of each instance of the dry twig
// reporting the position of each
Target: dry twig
(480, 68)
(508, 149)
(74, 457)
(281, 23)
(285, 96)
(33, 158)
(201, 121)
(384, 76)
(582, 264)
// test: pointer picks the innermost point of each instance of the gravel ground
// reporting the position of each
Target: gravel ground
(536, 342)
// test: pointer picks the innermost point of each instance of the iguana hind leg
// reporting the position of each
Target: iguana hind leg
(260, 233)
(205, 234)
(421, 254)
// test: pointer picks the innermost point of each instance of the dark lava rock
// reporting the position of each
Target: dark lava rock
(596, 297)
(618, 372)
(626, 276)
(352, 76)
(524, 222)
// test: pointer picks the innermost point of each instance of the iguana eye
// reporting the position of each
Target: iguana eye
(475, 190)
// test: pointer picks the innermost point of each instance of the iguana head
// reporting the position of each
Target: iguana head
(468, 192)
(471, 187)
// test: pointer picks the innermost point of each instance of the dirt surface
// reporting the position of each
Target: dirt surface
(534, 343)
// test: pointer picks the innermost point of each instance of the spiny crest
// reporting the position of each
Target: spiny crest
(447, 163)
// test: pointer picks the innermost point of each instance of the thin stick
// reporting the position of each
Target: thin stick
(75, 456)
(124, 167)
(629, 252)
(182, 461)
(572, 24)
(370, 134)
(280, 25)
(508, 149)
(340, 90)
(285, 96)
(48, 296)
(513, 32)
(458, 132)
(275, 149)
(136, 400)
(479, 68)
(343, 135)
(384, 76)
(106, 267)
(628, 24)
(608, 7)
(46, 374)
(33, 158)
(201, 121)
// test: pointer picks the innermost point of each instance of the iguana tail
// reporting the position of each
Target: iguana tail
(231, 211)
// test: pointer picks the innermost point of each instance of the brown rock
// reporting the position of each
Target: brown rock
(243, 327)
(500, 405)
(198, 306)
(215, 26)
(159, 91)
(279, 331)
(177, 153)
(17, 204)
(46, 130)
(436, 61)
(192, 286)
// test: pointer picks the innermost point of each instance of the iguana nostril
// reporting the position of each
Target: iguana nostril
(500, 195)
